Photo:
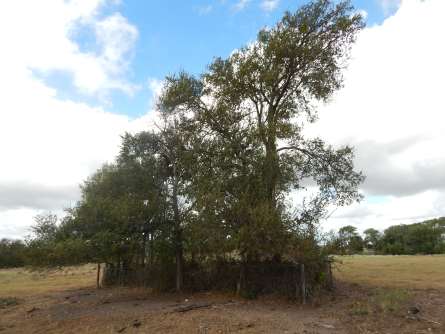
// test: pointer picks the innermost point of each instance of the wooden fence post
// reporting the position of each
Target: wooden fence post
(303, 284)
(330, 278)
(297, 286)
(98, 276)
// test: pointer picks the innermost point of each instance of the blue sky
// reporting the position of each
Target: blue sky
(184, 35)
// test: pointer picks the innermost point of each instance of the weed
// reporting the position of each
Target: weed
(8, 301)
(390, 300)
(359, 309)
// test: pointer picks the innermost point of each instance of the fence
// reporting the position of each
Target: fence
(297, 281)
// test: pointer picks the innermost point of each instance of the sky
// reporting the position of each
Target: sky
(75, 75)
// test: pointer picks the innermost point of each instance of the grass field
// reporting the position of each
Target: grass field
(373, 295)
(20, 282)
(410, 272)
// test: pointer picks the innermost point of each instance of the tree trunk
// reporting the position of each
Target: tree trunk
(144, 249)
(303, 283)
(179, 269)
(177, 235)
(151, 250)
(98, 276)
(242, 283)
(271, 173)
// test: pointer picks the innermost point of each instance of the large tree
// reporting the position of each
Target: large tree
(213, 181)
(372, 238)
(249, 111)
(350, 240)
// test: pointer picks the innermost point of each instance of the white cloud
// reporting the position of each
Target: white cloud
(15, 223)
(389, 211)
(40, 35)
(389, 6)
(392, 109)
(240, 5)
(204, 10)
(269, 5)
(49, 145)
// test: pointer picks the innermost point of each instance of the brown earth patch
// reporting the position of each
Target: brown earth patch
(350, 309)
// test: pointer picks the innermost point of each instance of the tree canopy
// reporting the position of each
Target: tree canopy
(213, 181)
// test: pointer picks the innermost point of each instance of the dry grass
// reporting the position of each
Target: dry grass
(406, 272)
(21, 282)
(375, 298)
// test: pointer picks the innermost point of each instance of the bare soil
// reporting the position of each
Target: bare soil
(351, 308)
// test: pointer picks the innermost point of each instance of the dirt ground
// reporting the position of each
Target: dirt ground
(351, 309)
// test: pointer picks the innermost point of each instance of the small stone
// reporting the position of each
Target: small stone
(413, 310)
(136, 323)
(32, 309)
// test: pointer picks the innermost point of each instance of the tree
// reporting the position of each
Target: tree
(419, 238)
(45, 227)
(172, 147)
(351, 241)
(247, 113)
(169, 145)
(213, 181)
(12, 253)
(372, 238)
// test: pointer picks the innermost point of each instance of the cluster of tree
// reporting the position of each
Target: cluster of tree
(426, 237)
(346, 241)
(12, 253)
(421, 238)
(212, 181)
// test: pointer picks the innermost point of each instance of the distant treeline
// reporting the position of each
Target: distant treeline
(12, 253)
(427, 237)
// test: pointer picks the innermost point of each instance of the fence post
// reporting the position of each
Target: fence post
(303, 284)
(98, 276)
(330, 278)
(297, 286)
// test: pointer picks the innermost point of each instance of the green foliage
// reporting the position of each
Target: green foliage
(212, 181)
(12, 253)
(246, 115)
(372, 238)
(347, 241)
(46, 227)
(421, 238)
(427, 237)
